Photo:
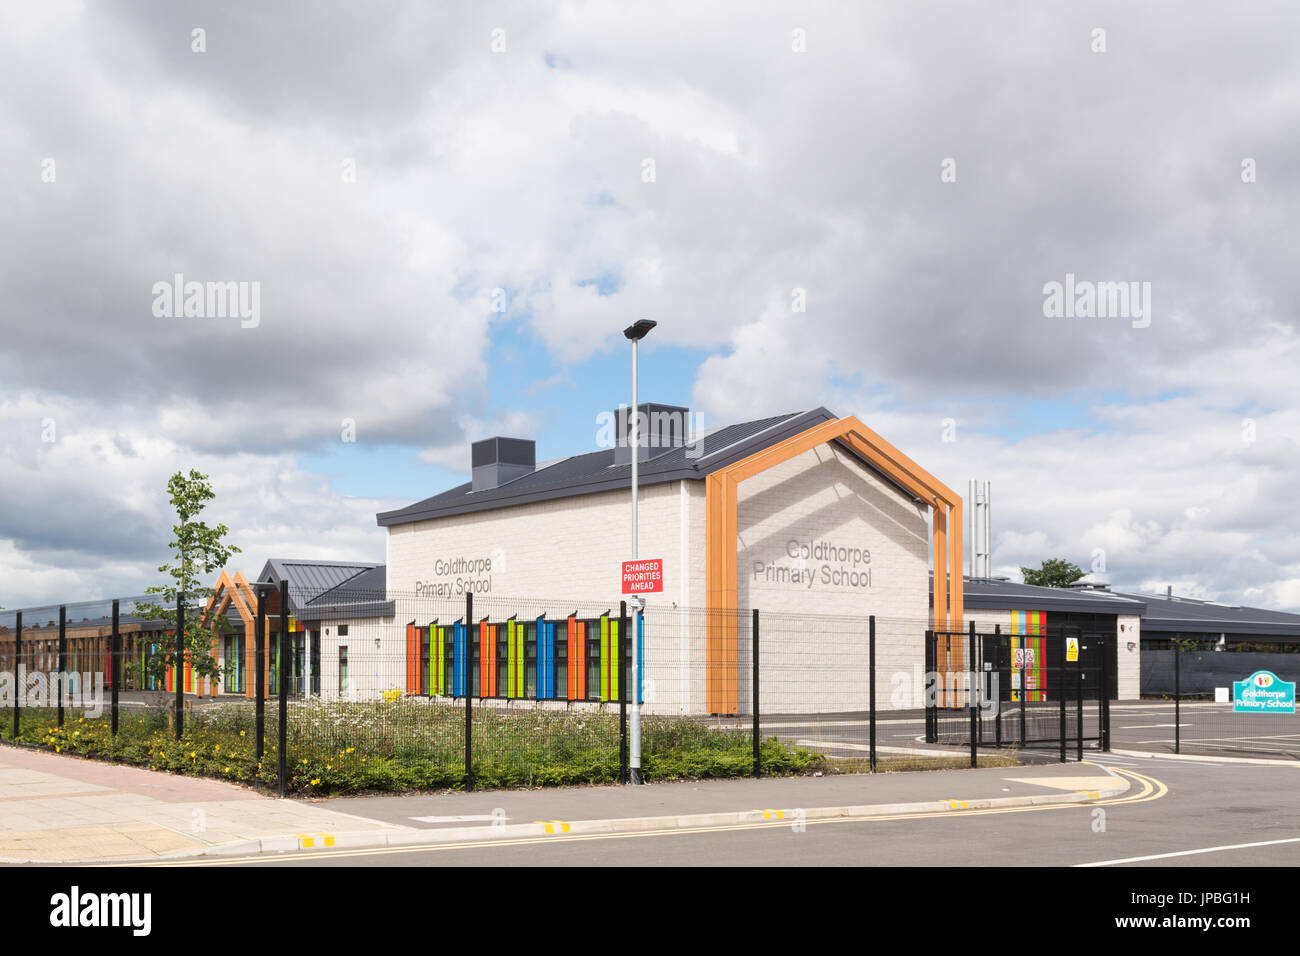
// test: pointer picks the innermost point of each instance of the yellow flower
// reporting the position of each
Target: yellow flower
(316, 781)
(225, 770)
(241, 733)
(350, 749)
(191, 754)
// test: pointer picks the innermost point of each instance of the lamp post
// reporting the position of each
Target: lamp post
(635, 333)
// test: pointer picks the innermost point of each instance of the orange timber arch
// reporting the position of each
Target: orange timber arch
(238, 592)
(720, 540)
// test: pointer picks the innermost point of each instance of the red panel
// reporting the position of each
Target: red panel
(582, 661)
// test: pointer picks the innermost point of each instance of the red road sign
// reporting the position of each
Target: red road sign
(644, 576)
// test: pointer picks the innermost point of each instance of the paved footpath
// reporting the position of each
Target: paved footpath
(61, 808)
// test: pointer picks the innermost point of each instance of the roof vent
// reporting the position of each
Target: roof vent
(498, 460)
(659, 429)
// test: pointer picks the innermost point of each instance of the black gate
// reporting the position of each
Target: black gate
(1046, 691)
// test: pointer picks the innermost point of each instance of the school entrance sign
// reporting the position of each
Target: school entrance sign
(1263, 692)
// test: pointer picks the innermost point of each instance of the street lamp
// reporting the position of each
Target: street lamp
(635, 333)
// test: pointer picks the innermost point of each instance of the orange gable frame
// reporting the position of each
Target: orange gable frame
(720, 539)
(238, 592)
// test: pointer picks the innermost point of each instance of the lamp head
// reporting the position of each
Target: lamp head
(639, 330)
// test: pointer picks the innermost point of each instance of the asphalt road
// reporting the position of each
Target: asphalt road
(1179, 813)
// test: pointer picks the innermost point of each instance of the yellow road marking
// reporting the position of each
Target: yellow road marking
(1151, 789)
(307, 841)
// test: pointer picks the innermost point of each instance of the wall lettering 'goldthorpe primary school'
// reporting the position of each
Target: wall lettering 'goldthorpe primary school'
(457, 577)
(817, 563)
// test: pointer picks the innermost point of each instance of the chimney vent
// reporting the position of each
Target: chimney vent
(495, 461)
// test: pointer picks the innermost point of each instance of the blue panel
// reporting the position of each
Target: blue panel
(458, 660)
(545, 659)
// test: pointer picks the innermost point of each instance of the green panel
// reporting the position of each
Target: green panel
(604, 658)
(614, 663)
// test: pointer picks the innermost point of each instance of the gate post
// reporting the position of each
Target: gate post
(871, 684)
(1178, 697)
(1103, 709)
(19, 677)
(282, 669)
(1078, 684)
(63, 658)
(469, 688)
(756, 731)
(928, 699)
(997, 700)
(115, 662)
(972, 698)
(178, 669)
(259, 679)
(1060, 692)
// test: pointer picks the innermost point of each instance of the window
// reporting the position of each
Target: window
(344, 687)
(234, 664)
(343, 630)
(562, 661)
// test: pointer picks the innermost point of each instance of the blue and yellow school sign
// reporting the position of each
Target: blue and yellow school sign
(1263, 692)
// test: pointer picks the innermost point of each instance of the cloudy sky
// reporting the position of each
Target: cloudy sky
(450, 211)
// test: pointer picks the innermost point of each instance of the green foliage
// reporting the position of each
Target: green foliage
(408, 744)
(198, 551)
(1053, 573)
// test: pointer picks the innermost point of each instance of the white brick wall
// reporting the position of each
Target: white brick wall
(828, 496)
(570, 550)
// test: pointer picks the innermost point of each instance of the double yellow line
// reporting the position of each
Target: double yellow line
(1148, 789)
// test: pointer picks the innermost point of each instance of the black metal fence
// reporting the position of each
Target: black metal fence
(346, 690)
(1205, 699)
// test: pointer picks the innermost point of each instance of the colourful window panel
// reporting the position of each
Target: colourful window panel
(609, 666)
(459, 658)
(516, 666)
(411, 649)
(577, 658)
(435, 665)
(487, 640)
(545, 659)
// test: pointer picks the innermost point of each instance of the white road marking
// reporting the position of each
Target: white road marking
(1208, 849)
(466, 818)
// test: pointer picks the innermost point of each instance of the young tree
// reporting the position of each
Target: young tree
(1053, 573)
(198, 551)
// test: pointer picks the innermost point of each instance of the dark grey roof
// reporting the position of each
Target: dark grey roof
(310, 579)
(988, 594)
(1191, 615)
(595, 471)
(363, 595)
